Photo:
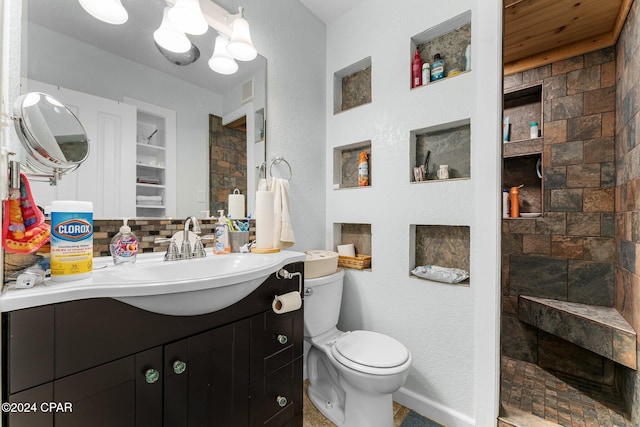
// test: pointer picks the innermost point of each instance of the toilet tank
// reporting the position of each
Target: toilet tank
(322, 299)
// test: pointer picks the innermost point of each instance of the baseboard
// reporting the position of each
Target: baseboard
(432, 410)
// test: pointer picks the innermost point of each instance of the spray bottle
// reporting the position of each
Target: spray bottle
(222, 235)
(363, 169)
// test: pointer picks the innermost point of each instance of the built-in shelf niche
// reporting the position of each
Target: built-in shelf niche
(447, 144)
(450, 39)
(345, 164)
(352, 86)
(521, 107)
(357, 234)
(527, 171)
(442, 245)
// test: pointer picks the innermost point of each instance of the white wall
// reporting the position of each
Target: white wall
(60, 60)
(294, 43)
(436, 322)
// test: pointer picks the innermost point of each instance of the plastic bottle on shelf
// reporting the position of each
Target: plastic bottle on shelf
(505, 203)
(426, 73)
(416, 70)
(533, 130)
(515, 203)
(437, 68)
(363, 169)
(124, 246)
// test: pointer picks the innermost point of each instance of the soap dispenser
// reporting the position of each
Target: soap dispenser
(124, 246)
(222, 235)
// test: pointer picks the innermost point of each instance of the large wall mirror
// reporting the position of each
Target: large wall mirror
(161, 134)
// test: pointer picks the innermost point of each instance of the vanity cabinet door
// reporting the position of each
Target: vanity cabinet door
(206, 378)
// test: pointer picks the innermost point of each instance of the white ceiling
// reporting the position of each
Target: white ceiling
(328, 10)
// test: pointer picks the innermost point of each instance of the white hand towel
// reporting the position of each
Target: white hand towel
(283, 236)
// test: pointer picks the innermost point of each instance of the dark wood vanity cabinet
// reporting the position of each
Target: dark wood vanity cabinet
(117, 365)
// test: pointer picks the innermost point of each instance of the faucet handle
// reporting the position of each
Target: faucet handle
(172, 253)
(198, 249)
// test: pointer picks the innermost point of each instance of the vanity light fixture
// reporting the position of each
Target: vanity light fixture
(240, 45)
(187, 16)
(221, 61)
(169, 37)
(109, 11)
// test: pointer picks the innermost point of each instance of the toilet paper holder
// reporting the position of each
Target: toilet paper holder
(284, 274)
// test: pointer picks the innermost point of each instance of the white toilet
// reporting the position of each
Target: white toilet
(351, 374)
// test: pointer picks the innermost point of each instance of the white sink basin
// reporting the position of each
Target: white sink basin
(179, 288)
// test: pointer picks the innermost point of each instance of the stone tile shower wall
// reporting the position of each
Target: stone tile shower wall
(227, 163)
(569, 253)
(628, 194)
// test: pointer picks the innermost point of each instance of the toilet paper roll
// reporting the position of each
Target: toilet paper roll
(264, 219)
(347, 250)
(236, 205)
(287, 302)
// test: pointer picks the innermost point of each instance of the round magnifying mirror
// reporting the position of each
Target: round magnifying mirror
(55, 141)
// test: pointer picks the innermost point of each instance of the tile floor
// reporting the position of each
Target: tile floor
(566, 402)
(313, 417)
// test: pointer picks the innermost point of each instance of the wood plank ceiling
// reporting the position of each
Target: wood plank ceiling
(539, 32)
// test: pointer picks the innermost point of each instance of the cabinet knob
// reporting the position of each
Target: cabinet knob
(282, 401)
(151, 376)
(282, 339)
(179, 366)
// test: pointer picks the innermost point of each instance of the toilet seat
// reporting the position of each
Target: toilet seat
(370, 352)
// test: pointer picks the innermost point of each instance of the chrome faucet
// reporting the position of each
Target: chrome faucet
(185, 250)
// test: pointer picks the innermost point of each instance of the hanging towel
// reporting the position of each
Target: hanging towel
(283, 236)
(23, 228)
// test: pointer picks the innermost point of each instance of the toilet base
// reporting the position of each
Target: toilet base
(340, 402)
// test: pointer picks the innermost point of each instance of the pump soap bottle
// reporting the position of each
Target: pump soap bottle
(222, 235)
(124, 246)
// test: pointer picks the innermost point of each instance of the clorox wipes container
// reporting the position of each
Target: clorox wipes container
(71, 240)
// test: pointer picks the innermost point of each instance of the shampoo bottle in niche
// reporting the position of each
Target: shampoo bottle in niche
(514, 193)
(416, 70)
(71, 240)
(363, 169)
(124, 246)
(222, 235)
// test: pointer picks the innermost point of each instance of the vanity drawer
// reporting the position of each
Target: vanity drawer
(276, 339)
(276, 400)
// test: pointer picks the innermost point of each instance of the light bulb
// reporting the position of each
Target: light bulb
(109, 11)
(187, 17)
(240, 46)
(170, 37)
(221, 62)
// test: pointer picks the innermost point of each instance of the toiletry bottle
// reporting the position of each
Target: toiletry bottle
(363, 169)
(416, 70)
(533, 130)
(124, 246)
(515, 207)
(426, 73)
(222, 235)
(467, 58)
(505, 203)
(437, 68)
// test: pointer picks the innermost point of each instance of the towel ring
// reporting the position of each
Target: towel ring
(277, 160)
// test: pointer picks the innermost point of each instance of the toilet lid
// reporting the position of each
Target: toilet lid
(371, 349)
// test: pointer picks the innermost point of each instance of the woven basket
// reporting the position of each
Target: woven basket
(359, 262)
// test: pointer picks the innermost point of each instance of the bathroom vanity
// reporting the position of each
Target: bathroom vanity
(113, 364)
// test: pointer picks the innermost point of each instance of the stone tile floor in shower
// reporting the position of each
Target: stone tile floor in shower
(566, 402)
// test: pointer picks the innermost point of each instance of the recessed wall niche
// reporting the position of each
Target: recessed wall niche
(345, 164)
(449, 39)
(352, 86)
(447, 144)
(442, 245)
(357, 234)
